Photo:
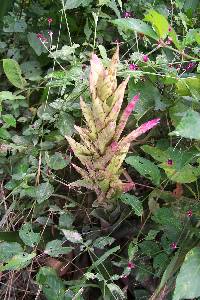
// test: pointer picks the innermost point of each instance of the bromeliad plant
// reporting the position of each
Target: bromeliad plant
(102, 150)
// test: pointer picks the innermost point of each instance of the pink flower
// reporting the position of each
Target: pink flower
(133, 67)
(127, 14)
(189, 213)
(145, 58)
(130, 265)
(148, 125)
(190, 66)
(40, 36)
(170, 162)
(173, 246)
(50, 20)
(169, 28)
(114, 146)
(169, 41)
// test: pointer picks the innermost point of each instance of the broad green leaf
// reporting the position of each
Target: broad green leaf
(9, 120)
(18, 262)
(156, 153)
(66, 220)
(6, 95)
(44, 191)
(70, 4)
(189, 87)
(145, 167)
(57, 161)
(134, 202)
(52, 286)
(28, 236)
(188, 279)
(189, 126)
(4, 134)
(65, 124)
(192, 36)
(149, 248)
(12, 24)
(13, 73)
(8, 250)
(166, 217)
(35, 43)
(55, 248)
(159, 23)
(100, 260)
(72, 236)
(64, 53)
(103, 241)
(31, 70)
(135, 25)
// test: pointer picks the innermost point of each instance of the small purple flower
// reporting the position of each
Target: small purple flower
(133, 67)
(127, 14)
(40, 36)
(189, 213)
(130, 265)
(173, 246)
(145, 58)
(190, 66)
(169, 28)
(170, 162)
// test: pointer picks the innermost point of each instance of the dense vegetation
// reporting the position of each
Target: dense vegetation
(99, 197)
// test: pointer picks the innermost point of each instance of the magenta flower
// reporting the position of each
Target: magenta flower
(133, 67)
(148, 125)
(190, 66)
(50, 20)
(170, 162)
(169, 28)
(130, 265)
(145, 58)
(127, 14)
(169, 41)
(189, 213)
(40, 36)
(173, 246)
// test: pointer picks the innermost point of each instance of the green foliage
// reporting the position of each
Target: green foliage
(134, 202)
(13, 73)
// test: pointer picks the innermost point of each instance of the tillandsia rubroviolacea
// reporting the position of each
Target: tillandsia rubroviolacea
(101, 149)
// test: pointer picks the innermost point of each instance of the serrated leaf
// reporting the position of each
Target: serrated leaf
(55, 248)
(65, 124)
(187, 282)
(189, 126)
(103, 241)
(72, 236)
(13, 73)
(18, 262)
(57, 161)
(149, 248)
(44, 191)
(134, 202)
(145, 167)
(166, 217)
(136, 25)
(8, 250)
(66, 220)
(28, 236)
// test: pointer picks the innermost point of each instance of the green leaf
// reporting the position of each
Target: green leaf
(8, 250)
(166, 217)
(72, 236)
(28, 236)
(65, 124)
(145, 167)
(156, 153)
(103, 241)
(18, 262)
(44, 192)
(136, 25)
(14, 25)
(66, 220)
(31, 70)
(71, 4)
(116, 292)
(13, 73)
(56, 161)
(10, 120)
(4, 134)
(149, 248)
(187, 282)
(132, 250)
(159, 23)
(189, 87)
(189, 126)
(55, 248)
(35, 43)
(134, 202)
(52, 286)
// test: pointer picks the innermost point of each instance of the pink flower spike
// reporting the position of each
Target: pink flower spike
(50, 20)
(145, 58)
(173, 246)
(148, 125)
(133, 67)
(130, 265)
(114, 146)
(189, 213)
